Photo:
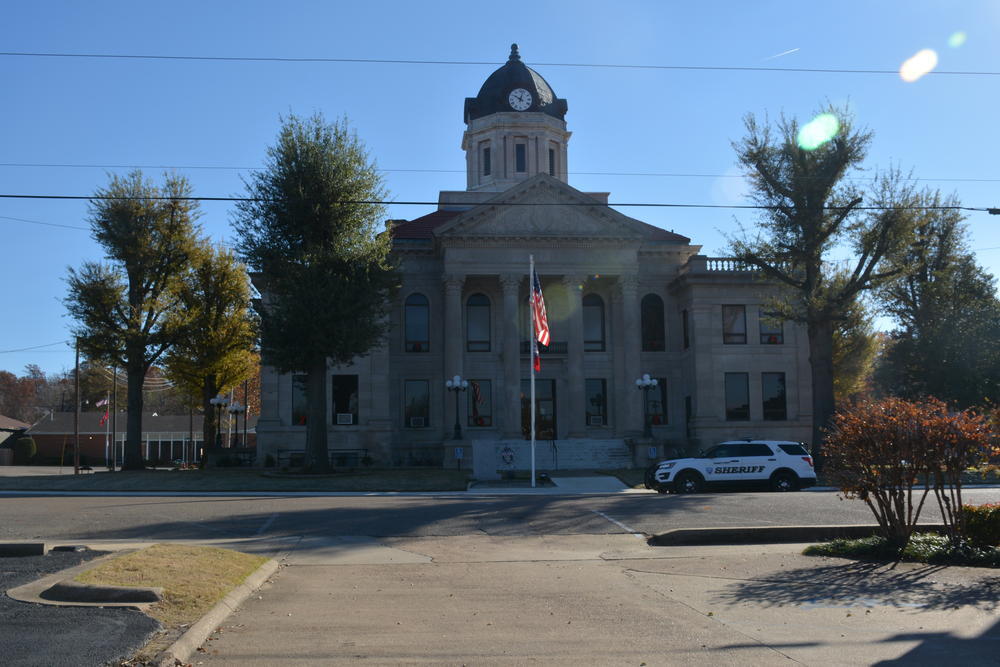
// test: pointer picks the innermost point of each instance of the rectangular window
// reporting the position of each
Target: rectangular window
(299, 400)
(737, 397)
(487, 164)
(772, 331)
(734, 325)
(656, 403)
(684, 329)
(345, 400)
(597, 401)
(417, 404)
(552, 162)
(772, 394)
(520, 158)
(480, 395)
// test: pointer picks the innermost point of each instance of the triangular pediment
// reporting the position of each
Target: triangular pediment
(543, 206)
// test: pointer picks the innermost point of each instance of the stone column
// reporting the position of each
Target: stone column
(510, 408)
(574, 358)
(454, 340)
(631, 342)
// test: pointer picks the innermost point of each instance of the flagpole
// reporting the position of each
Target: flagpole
(534, 351)
(107, 427)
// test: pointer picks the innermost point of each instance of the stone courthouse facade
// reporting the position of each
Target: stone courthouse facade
(624, 299)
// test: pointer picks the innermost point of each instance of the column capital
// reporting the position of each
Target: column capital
(453, 281)
(628, 284)
(511, 282)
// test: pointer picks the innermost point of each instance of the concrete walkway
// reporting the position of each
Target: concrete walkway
(602, 599)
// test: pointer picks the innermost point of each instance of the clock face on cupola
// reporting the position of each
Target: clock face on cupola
(520, 99)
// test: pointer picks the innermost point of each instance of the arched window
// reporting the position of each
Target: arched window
(477, 323)
(417, 323)
(653, 333)
(593, 323)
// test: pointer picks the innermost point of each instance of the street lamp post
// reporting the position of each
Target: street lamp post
(644, 384)
(219, 402)
(236, 409)
(457, 384)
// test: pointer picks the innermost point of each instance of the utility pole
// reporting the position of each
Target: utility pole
(76, 412)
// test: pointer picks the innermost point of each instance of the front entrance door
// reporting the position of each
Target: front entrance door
(545, 409)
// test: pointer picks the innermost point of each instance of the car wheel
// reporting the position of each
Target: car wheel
(688, 482)
(784, 481)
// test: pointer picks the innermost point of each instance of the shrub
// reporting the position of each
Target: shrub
(982, 523)
(24, 451)
(892, 453)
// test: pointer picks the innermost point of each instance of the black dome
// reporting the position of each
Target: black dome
(493, 96)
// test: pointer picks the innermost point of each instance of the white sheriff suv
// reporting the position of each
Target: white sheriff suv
(781, 465)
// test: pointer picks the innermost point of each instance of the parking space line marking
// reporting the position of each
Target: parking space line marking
(266, 524)
(630, 531)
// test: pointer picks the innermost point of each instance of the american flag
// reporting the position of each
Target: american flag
(538, 306)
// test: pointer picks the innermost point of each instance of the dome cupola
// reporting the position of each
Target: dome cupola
(515, 129)
(514, 87)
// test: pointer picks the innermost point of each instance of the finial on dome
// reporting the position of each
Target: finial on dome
(514, 55)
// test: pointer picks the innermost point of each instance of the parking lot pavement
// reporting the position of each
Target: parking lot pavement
(34, 634)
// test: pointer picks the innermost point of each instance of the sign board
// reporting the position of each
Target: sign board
(459, 453)
(653, 452)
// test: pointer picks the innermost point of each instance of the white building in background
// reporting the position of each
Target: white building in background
(624, 299)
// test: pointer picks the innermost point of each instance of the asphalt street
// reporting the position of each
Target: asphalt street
(181, 517)
(32, 634)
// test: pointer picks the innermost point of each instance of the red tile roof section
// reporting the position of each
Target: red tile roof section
(424, 226)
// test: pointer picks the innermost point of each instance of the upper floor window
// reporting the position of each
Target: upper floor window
(552, 162)
(520, 158)
(417, 323)
(477, 323)
(734, 324)
(345, 400)
(487, 164)
(685, 328)
(653, 333)
(593, 323)
(772, 331)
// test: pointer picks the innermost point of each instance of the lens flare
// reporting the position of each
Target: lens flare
(957, 39)
(922, 62)
(818, 131)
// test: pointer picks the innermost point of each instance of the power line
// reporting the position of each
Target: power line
(57, 165)
(35, 347)
(496, 203)
(398, 61)
(47, 224)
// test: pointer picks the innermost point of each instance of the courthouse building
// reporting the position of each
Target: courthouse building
(625, 299)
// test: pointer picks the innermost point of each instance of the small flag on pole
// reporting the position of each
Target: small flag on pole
(104, 419)
(101, 402)
(536, 359)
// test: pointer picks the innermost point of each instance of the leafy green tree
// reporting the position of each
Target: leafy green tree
(810, 209)
(947, 340)
(216, 350)
(310, 229)
(855, 347)
(124, 308)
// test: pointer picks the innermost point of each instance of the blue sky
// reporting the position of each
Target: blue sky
(187, 114)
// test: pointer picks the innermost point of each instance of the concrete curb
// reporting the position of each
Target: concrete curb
(767, 534)
(68, 590)
(187, 644)
(15, 549)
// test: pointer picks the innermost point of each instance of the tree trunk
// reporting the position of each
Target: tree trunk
(209, 427)
(317, 454)
(823, 403)
(133, 432)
